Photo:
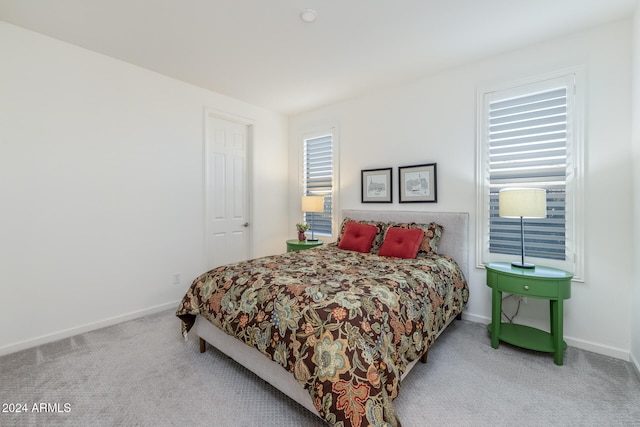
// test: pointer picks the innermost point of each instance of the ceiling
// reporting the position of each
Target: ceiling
(261, 52)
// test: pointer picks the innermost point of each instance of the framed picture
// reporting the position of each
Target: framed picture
(418, 183)
(376, 186)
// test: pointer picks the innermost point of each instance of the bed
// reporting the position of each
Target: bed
(339, 328)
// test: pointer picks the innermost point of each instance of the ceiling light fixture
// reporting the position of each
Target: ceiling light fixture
(308, 15)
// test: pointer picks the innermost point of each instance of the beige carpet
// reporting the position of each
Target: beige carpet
(142, 373)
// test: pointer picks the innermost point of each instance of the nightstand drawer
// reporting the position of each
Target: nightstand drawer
(541, 282)
(527, 287)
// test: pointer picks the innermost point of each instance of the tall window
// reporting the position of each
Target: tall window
(529, 138)
(318, 180)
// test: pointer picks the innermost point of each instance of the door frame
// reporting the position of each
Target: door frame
(249, 123)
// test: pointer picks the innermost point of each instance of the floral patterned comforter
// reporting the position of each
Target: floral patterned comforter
(345, 324)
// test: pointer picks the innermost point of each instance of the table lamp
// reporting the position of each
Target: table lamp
(522, 203)
(312, 204)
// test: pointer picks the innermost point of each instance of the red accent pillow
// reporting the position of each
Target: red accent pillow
(401, 242)
(377, 241)
(358, 237)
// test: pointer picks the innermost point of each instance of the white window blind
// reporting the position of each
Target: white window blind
(528, 148)
(318, 177)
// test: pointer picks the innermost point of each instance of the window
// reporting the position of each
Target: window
(318, 180)
(529, 137)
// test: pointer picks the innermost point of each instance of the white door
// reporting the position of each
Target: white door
(227, 191)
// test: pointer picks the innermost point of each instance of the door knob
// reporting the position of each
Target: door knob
(246, 224)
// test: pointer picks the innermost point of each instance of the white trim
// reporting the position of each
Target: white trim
(482, 187)
(635, 363)
(248, 121)
(44, 339)
(475, 318)
(605, 350)
(66, 333)
(336, 182)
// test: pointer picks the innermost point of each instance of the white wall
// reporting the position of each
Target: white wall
(635, 309)
(434, 120)
(101, 187)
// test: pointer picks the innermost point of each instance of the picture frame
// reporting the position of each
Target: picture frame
(418, 183)
(377, 185)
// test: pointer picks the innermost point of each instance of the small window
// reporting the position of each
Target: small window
(528, 137)
(318, 179)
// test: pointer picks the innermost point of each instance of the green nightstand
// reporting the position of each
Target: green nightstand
(539, 282)
(300, 245)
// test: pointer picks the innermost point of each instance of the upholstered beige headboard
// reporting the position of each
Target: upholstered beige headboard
(455, 237)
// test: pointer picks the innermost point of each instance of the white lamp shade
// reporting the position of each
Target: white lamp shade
(312, 203)
(522, 202)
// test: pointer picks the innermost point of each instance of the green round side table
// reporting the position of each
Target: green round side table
(300, 245)
(539, 282)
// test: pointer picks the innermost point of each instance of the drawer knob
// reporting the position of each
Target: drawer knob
(526, 287)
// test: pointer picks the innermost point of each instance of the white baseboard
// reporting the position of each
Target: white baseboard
(475, 318)
(636, 364)
(23, 345)
(598, 348)
(573, 342)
